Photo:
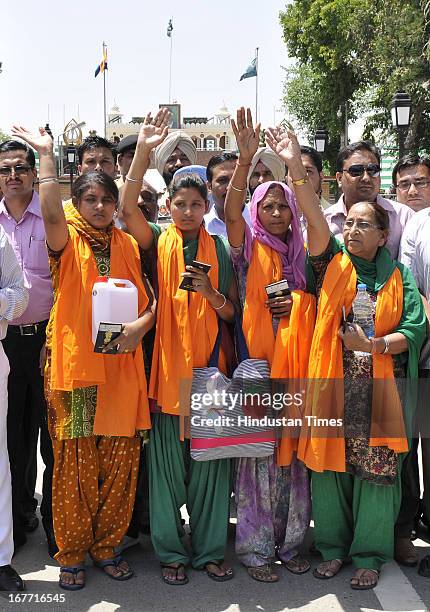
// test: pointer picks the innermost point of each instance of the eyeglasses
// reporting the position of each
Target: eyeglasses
(19, 170)
(418, 184)
(363, 226)
(359, 169)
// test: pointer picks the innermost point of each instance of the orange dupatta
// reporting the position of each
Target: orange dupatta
(187, 326)
(288, 353)
(122, 401)
(326, 363)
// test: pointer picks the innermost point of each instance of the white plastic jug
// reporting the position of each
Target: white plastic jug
(114, 301)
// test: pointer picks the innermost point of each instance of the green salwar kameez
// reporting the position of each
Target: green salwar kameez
(176, 480)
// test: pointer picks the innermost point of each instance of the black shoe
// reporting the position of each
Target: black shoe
(50, 539)
(30, 522)
(10, 580)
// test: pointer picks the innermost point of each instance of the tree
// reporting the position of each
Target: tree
(4, 136)
(358, 52)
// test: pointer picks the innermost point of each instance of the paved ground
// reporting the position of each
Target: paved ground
(400, 589)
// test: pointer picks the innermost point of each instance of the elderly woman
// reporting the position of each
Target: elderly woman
(356, 488)
(96, 403)
(272, 493)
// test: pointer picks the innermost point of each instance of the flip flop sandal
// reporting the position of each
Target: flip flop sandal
(228, 573)
(294, 561)
(365, 587)
(74, 571)
(262, 573)
(115, 562)
(320, 576)
(176, 581)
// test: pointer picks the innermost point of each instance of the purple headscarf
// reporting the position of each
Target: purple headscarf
(292, 251)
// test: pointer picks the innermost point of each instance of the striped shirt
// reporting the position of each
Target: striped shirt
(13, 293)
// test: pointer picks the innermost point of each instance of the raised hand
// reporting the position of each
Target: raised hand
(154, 130)
(247, 137)
(284, 144)
(41, 141)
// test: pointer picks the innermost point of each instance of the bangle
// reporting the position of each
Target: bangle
(243, 165)
(132, 180)
(223, 304)
(236, 189)
(387, 345)
(48, 179)
(301, 181)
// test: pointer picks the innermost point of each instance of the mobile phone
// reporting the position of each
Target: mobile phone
(279, 289)
(187, 282)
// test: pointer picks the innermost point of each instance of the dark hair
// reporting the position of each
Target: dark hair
(381, 216)
(188, 181)
(85, 181)
(409, 161)
(314, 155)
(217, 160)
(95, 142)
(15, 145)
(361, 145)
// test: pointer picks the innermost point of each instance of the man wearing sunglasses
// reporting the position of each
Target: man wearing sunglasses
(21, 219)
(411, 178)
(358, 175)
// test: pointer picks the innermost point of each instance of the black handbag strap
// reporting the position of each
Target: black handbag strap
(242, 352)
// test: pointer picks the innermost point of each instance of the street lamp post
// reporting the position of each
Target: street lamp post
(321, 140)
(401, 116)
(71, 156)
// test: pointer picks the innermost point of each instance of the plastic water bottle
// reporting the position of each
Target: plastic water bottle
(362, 308)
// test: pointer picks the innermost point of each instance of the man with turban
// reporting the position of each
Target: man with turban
(177, 151)
(265, 166)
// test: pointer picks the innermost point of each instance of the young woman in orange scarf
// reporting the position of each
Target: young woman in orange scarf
(272, 493)
(356, 487)
(96, 403)
(187, 327)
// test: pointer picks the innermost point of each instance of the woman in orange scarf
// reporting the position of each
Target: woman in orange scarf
(356, 487)
(96, 403)
(272, 493)
(187, 327)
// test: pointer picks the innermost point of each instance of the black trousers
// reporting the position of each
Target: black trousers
(27, 416)
(411, 494)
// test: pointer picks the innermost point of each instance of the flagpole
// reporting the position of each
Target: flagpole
(170, 67)
(104, 93)
(256, 86)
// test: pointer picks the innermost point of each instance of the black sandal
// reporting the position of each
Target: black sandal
(74, 571)
(228, 572)
(176, 581)
(115, 562)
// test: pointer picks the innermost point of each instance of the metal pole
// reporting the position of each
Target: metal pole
(104, 94)
(256, 86)
(71, 177)
(402, 135)
(170, 68)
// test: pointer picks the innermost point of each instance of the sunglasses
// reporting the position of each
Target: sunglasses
(359, 169)
(19, 170)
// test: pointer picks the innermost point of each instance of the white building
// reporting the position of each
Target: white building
(209, 134)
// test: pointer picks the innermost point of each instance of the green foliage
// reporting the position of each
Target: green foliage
(360, 52)
(4, 136)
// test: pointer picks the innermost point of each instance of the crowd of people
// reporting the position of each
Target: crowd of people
(112, 439)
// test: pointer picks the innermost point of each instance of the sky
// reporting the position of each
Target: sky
(50, 51)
